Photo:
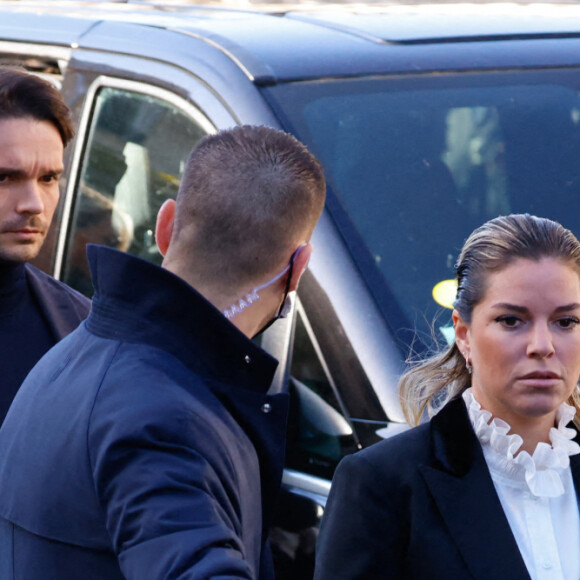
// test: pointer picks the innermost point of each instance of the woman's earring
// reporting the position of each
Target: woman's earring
(468, 364)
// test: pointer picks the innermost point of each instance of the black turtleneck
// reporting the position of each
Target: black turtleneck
(24, 333)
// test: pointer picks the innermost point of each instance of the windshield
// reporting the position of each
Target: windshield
(415, 164)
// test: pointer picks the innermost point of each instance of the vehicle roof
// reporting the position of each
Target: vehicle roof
(288, 43)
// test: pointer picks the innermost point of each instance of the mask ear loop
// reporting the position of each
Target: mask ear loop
(289, 268)
(276, 278)
(253, 296)
(286, 303)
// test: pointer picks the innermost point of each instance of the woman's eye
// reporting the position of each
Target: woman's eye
(508, 321)
(570, 322)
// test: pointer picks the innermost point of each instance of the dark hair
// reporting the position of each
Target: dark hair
(490, 248)
(249, 193)
(25, 95)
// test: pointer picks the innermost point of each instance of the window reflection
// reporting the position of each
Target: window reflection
(416, 163)
(135, 155)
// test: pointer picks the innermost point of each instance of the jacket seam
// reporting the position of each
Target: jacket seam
(87, 434)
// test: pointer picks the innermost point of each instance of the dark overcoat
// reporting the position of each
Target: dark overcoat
(62, 307)
(144, 445)
(420, 505)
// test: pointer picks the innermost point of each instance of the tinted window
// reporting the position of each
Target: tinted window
(334, 408)
(319, 434)
(415, 164)
(135, 155)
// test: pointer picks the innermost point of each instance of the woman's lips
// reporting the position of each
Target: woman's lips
(540, 378)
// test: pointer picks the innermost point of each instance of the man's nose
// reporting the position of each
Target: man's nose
(30, 199)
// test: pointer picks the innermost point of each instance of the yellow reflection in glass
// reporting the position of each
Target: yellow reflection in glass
(444, 293)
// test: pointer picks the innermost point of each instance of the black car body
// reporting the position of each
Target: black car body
(428, 119)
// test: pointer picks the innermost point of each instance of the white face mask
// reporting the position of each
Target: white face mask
(253, 296)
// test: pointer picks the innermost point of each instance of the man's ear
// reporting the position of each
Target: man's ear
(164, 225)
(461, 333)
(300, 264)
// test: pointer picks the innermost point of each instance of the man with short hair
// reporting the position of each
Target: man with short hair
(145, 446)
(36, 311)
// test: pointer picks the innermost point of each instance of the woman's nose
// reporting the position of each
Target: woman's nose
(541, 344)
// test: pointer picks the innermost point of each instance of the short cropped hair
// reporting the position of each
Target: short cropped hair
(25, 95)
(247, 195)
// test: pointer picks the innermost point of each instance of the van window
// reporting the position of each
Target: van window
(319, 432)
(328, 417)
(135, 156)
(414, 164)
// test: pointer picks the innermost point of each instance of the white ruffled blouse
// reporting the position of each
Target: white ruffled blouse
(536, 491)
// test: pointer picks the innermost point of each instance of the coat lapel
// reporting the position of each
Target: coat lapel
(61, 313)
(461, 486)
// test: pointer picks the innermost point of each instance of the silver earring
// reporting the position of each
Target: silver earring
(468, 364)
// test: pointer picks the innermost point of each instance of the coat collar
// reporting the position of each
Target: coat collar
(463, 490)
(137, 301)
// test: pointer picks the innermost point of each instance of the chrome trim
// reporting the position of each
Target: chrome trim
(366, 328)
(320, 355)
(307, 483)
(277, 340)
(36, 50)
(115, 83)
(214, 44)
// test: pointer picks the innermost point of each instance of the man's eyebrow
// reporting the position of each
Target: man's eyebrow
(11, 172)
(54, 172)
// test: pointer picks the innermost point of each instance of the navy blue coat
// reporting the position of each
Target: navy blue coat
(36, 297)
(144, 445)
(420, 505)
(62, 307)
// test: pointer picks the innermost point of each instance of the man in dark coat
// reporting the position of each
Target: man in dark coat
(36, 311)
(145, 445)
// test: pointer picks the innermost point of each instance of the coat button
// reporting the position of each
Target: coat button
(248, 359)
(266, 408)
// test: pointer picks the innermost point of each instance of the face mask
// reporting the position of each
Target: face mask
(253, 297)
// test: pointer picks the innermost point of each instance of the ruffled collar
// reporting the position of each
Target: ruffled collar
(541, 472)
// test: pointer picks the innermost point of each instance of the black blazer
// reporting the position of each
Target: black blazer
(420, 505)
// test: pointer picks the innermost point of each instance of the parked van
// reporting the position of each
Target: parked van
(429, 120)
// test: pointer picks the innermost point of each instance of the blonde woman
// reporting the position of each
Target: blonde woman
(487, 488)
